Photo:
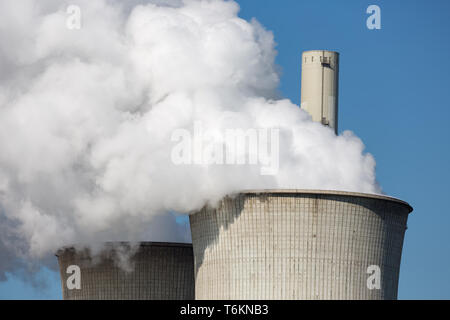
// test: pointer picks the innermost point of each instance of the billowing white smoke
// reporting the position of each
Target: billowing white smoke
(89, 116)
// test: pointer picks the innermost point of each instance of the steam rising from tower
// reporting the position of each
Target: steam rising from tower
(87, 158)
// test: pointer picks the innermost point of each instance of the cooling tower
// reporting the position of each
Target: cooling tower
(154, 271)
(320, 85)
(294, 244)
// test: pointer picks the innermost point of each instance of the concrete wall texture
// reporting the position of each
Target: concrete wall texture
(155, 271)
(294, 244)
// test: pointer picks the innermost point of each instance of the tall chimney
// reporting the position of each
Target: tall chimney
(320, 79)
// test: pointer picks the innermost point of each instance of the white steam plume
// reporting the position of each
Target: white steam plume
(87, 118)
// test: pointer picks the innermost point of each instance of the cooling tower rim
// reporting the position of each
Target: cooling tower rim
(112, 244)
(330, 192)
(311, 51)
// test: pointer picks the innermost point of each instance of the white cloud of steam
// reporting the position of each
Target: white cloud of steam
(86, 118)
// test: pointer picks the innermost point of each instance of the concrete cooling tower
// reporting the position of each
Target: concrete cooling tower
(154, 271)
(294, 244)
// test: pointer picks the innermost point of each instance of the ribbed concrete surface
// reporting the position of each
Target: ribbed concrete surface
(283, 244)
(156, 271)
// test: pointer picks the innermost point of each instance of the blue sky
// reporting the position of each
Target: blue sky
(394, 94)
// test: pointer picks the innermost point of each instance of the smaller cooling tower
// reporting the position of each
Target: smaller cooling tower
(154, 271)
(320, 86)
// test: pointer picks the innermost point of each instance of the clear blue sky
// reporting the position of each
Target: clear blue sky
(394, 94)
